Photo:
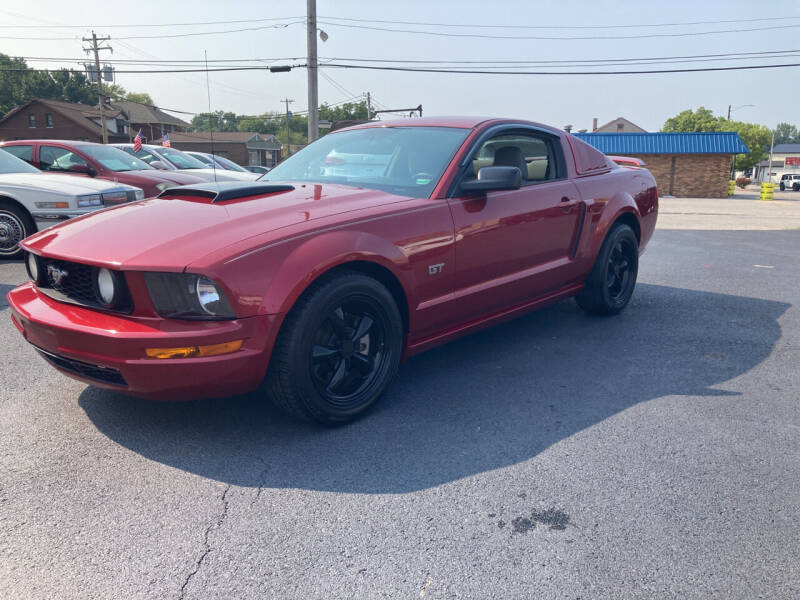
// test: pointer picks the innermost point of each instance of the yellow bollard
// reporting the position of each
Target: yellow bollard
(767, 191)
(731, 187)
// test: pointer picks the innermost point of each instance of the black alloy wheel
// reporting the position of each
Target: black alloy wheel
(611, 282)
(618, 274)
(337, 351)
(348, 351)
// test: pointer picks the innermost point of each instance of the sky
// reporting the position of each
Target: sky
(766, 96)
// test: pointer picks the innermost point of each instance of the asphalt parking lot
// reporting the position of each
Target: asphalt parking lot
(651, 455)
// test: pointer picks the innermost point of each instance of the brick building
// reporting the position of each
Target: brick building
(690, 165)
(56, 120)
(151, 120)
(242, 147)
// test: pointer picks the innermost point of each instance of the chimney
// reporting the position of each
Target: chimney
(594, 124)
(567, 128)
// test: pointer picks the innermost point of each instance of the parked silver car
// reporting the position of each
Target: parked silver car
(28, 195)
(172, 159)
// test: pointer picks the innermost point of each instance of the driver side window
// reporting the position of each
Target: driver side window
(53, 158)
(534, 156)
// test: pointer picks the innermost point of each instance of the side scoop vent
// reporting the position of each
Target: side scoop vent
(219, 192)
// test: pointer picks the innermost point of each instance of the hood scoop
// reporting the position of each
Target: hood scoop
(228, 190)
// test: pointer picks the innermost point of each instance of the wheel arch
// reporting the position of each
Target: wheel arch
(630, 219)
(5, 198)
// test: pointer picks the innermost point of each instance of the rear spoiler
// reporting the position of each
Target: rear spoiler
(627, 161)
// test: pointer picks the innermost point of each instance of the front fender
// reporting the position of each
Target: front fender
(319, 254)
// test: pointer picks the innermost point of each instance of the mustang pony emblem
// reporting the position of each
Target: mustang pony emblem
(56, 275)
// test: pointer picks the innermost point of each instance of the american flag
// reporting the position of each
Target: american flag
(137, 141)
(165, 141)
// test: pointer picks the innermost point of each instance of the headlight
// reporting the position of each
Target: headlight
(187, 296)
(139, 194)
(90, 200)
(108, 288)
(164, 186)
(115, 197)
(32, 265)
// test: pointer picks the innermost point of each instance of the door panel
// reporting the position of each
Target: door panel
(513, 246)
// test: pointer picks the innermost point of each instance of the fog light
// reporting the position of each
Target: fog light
(194, 351)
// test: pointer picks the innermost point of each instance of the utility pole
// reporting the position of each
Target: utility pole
(288, 115)
(369, 107)
(313, 99)
(96, 49)
(771, 148)
(729, 112)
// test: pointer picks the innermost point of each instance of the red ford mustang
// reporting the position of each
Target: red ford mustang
(369, 245)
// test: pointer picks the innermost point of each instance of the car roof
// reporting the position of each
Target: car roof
(462, 122)
(49, 141)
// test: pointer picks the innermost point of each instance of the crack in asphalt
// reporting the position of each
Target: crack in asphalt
(206, 544)
(262, 480)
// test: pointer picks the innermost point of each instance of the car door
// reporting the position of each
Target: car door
(513, 246)
(60, 159)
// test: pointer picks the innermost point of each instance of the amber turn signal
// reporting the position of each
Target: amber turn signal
(194, 351)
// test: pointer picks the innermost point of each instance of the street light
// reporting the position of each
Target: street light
(733, 168)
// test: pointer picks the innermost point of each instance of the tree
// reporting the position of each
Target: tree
(216, 121)
(755, 137)
(19, 83)
(345, 112)
(786, 134)
(117, 92)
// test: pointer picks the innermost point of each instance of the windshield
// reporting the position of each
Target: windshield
(181, 159)
(12, 164)
(114, 159)
(402, 160)
(229, 164)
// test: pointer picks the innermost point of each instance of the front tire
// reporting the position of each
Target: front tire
(782, 186)
(610, 284)
(15, 225)
(337, 351)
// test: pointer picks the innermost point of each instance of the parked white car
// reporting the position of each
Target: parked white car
(172, 159)
(28, 195)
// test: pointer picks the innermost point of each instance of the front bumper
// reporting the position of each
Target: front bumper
(108, 350)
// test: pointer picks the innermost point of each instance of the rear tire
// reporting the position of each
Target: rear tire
(610, 284)
(337, 351)
(15, 225)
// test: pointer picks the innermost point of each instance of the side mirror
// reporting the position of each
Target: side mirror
(85, 169)
(157, 164)
(494, 179)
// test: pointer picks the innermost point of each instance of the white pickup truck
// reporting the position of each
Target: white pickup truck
(28, 195)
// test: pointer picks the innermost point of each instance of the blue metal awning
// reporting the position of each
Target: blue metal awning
(722, 142)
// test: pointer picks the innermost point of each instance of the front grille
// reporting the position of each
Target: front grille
(90, 371)
(75, 283)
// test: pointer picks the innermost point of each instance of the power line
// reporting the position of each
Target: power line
(181, 62)
(162, 36)
(516, 26)
(555, 38)
(485, 72)
(141, 25)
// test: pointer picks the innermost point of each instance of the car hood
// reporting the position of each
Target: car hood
(170, 233)
(58, 183)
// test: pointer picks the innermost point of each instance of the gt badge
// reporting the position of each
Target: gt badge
(435, 269)
(56, 275)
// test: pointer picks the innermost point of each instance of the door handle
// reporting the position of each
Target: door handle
(566, 204)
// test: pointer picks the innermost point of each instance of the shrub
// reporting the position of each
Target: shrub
(742, 182)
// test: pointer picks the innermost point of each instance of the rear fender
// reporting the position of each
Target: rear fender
(602, 215)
